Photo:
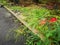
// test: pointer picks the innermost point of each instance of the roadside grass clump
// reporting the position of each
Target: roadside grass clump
(42, 19)
(29, 37)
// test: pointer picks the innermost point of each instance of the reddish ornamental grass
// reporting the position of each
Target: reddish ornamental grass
(42, 22)
(53, 20)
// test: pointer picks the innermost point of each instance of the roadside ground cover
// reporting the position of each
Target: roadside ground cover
(43, 20)
(40, 18)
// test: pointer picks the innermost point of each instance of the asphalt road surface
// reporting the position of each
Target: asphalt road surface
(6, 25)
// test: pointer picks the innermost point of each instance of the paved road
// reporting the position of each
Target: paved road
(6, 25)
